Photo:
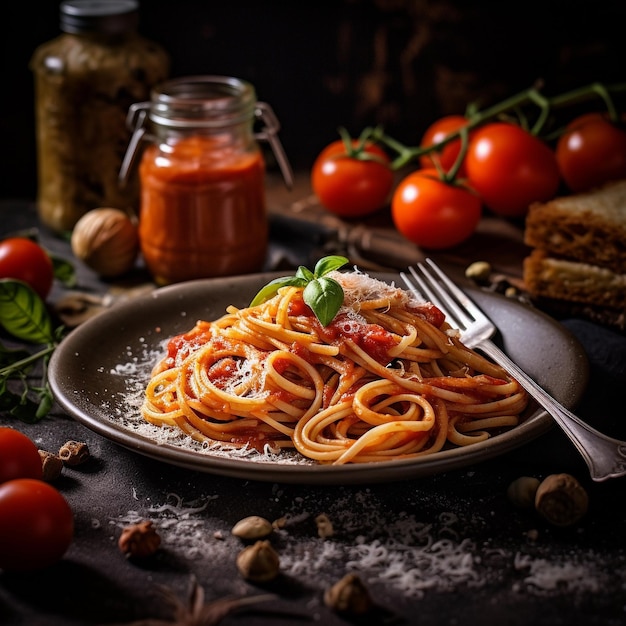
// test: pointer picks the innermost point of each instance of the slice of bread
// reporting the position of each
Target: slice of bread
(588, 227)
(573, 281)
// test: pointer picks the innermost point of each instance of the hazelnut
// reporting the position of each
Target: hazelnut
(259, 562)
(107, 241)
(139, 540)
(252, 527)
(349, 596)
(522, 490)
(561, 500)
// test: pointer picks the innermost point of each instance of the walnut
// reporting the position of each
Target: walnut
(252, 527)
(74, 453)
(258, 562)
(561, 500)
(107, 241)
(349, 596)
(139, 540)
(51, 465)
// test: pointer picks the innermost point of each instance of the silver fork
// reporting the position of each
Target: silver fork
(605, 456)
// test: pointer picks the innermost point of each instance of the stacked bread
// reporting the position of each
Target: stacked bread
(579, 255)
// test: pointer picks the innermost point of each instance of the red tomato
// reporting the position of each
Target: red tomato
(23, 259)
(348, 186)
(36, 525)
(436, 133)
(19, 456)
(510, 168)
(591, 152)
(434, 214)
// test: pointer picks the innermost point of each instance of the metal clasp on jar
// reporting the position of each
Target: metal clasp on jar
(138, 115)
(269, 133)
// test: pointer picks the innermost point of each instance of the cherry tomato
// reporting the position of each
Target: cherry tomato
(25, 260)
(510, 168)
(591, 152)
(348, 186)
(434, 214)
(19, 456)
(436, 133)
(36, 525)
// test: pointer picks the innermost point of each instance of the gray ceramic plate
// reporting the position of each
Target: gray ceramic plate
(98, 372)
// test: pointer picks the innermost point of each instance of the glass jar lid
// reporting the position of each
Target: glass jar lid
(202, 102)
(111, 17)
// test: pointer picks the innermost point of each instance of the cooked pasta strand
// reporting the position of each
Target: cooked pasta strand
(386, 379)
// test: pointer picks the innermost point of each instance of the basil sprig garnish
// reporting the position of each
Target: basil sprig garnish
(23, 315)
(322, 294)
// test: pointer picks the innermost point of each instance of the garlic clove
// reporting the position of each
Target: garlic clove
(349, 596)
(324, 526)
(259, 562)
(107, 241)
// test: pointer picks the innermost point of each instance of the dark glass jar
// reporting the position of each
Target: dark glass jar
(85, 80)
(202, 209)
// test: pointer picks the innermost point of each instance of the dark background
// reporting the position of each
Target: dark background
(321, 65)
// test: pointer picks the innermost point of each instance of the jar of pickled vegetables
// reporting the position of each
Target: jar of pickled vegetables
(85, 81)
(202, 207)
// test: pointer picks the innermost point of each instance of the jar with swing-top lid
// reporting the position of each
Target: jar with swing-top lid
(202, 203)
(85, 80)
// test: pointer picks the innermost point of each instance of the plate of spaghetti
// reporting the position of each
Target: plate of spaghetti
(194, 376)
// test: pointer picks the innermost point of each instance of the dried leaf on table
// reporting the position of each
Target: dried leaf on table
(195, 612)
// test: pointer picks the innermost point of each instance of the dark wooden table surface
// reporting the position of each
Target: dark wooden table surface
(447, 549)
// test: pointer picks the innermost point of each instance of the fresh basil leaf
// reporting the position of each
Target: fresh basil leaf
(23, 313)
(328, 264)
(305, 272)
(46, 401)
(63, 271)
(325, 297)
(273, 286)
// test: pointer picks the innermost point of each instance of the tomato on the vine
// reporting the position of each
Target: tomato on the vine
(448, 154)
(36, 525)
(510, 168)
(19, 456)
(432, 213)
(349, 186)
(23, 259)
(591, 152)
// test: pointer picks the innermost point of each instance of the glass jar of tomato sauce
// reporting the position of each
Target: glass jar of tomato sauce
(202, 193)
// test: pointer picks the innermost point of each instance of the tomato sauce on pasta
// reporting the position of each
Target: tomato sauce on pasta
(386, 379)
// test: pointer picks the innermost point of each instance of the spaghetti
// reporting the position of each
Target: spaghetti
(386, 379)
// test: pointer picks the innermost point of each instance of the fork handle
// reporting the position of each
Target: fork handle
(605, 456)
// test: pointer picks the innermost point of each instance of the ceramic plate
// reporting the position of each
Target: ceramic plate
(100, 369)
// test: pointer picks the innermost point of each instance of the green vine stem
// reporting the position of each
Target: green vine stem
(21, 364)
(515, 103)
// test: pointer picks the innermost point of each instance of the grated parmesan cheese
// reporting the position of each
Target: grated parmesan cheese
(395, 551)
(359, 287)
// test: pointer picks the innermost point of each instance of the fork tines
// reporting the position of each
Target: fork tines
(434, 285)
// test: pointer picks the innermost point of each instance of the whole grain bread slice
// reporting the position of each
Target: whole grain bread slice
(588, 227)
(573, 281)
